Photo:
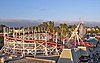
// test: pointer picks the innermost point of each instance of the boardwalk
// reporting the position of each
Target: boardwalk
(32, 60)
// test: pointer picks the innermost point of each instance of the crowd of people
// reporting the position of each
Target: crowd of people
(95, 57)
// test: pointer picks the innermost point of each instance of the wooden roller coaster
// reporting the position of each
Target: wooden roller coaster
(28, 42)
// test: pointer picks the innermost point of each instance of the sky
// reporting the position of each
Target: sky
(88, 10)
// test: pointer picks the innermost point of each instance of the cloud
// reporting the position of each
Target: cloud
(19, 23)
(42, 9)
(27, 23)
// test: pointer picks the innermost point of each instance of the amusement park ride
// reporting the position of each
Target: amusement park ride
(77, 35)
(28, 42)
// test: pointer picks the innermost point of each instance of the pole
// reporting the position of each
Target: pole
(46, 52)
(14, 41)
(56, 43)
(35, 42)
(23, 42)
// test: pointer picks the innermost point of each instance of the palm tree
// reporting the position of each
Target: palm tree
(73, 27)
(50, 27)
(64, 30)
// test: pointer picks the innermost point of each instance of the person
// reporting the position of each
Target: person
(89, 50)
(99, 58)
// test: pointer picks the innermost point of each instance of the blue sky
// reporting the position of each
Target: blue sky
(88, 10)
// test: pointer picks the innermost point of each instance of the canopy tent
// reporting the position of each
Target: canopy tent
(93, 40)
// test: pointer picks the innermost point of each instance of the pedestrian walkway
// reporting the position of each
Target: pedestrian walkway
(66, 56)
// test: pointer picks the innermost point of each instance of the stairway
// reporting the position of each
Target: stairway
(66, 56)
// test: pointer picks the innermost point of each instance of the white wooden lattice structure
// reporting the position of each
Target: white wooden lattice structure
(28, 42)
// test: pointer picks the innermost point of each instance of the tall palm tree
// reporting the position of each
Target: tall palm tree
(64, 30)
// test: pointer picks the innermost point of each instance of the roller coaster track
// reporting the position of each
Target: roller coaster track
(30, 42)
(27, 43)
